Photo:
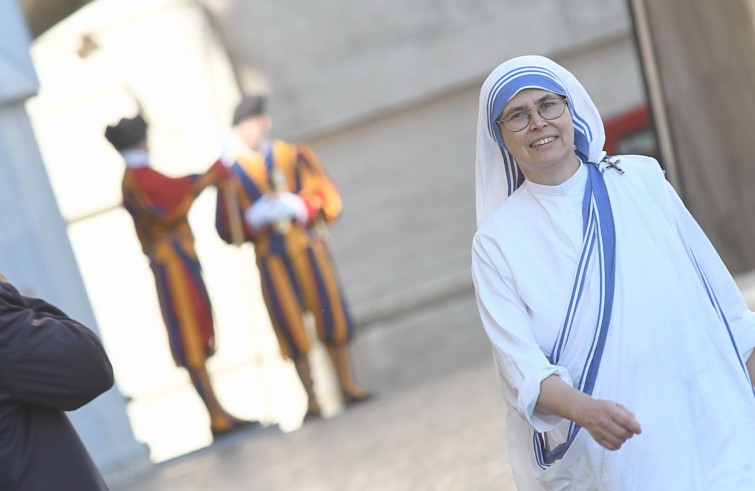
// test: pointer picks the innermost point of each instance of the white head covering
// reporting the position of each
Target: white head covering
(497, 172)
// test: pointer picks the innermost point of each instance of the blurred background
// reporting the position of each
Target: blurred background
(386, 92)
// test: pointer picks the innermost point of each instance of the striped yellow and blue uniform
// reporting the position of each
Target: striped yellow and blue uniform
(159, 206)
(296, 269)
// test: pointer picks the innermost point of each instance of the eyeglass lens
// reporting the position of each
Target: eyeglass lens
(549, 109)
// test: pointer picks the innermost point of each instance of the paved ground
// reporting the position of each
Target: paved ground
(443, 435)
(436, 424)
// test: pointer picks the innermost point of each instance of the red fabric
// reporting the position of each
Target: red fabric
(163, 191)
(313, 202)
(220, 170)
(202, 310)
(312, 212)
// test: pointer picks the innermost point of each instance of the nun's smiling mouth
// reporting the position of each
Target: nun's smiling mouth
(543, 141)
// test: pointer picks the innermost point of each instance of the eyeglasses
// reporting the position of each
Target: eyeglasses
(549, 109)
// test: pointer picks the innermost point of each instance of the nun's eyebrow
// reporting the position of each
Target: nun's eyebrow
(537, 103)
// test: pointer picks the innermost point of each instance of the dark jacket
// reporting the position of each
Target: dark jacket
(49, 364)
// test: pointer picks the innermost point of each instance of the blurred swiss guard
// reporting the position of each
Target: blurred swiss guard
(159, 206)
(286, 199)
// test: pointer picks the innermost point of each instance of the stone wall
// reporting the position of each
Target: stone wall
(386, 92)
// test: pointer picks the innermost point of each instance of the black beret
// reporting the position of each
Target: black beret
(250, 105)
(128, 133)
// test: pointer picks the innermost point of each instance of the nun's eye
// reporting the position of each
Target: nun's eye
(549, 109)
(552, 108)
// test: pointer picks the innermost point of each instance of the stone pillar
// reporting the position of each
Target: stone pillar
(35, 252)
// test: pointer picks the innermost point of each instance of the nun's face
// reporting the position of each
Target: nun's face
(544, 149)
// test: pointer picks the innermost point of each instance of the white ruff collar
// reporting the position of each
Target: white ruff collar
(135, 158)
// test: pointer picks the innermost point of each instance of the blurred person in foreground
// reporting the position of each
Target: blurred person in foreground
(159, 206)
(286, 198)
(622, 343)
(49, 364)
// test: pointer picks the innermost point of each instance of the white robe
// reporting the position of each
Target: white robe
(669, 357)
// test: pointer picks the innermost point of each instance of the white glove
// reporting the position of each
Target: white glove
(274, 207)
(295, 205)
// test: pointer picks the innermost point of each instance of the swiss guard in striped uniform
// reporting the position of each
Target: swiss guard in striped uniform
(285, 199)
(159, 206)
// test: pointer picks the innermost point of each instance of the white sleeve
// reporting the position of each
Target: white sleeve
(741, 319)
(520, 363)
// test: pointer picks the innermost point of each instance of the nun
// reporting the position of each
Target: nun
(622, 345)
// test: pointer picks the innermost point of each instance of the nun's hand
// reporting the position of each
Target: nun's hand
(609, 423)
